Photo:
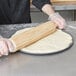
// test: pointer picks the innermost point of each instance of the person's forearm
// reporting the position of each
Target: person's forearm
(54, 16)
(48, 9)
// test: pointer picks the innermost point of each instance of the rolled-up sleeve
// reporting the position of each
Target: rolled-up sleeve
(40, 3)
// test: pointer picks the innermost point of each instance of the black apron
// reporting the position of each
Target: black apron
(18, 11)
(14, 11)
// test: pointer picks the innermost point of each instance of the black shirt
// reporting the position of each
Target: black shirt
(18, 11)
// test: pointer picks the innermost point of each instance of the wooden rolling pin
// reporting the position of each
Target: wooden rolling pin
(30, 36)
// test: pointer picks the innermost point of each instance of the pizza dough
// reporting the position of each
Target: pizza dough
(55, 42)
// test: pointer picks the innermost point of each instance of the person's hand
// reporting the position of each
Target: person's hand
(58, 19)
(6, 46)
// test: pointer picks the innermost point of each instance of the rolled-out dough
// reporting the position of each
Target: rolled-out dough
(55, 42)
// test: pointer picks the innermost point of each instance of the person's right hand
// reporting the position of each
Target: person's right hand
(5, 46)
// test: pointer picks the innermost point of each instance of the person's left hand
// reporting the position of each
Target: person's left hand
(58, 19)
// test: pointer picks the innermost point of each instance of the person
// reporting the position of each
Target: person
(18, 11)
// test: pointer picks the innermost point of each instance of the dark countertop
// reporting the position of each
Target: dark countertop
(19, 64)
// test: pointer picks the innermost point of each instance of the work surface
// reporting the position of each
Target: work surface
(20, 64)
